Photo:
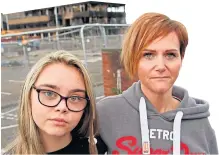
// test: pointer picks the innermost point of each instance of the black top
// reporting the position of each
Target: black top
(80, 145)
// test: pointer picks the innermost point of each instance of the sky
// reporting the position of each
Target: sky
(199, 73)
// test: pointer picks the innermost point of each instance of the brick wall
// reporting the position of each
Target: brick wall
(111, 63)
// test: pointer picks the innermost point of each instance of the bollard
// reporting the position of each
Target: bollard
(26, 57)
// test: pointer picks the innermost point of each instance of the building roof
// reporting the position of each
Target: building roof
(97, 2)
(77, 3)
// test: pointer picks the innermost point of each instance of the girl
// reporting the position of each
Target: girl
(57, 109)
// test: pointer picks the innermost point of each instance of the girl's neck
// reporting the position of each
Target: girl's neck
(53, 143)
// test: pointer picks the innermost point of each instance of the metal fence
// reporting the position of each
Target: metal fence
(85, 41)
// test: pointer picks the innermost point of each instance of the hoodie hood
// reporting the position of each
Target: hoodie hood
(192, 108)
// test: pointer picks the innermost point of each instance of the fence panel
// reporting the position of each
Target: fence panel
(85, 42)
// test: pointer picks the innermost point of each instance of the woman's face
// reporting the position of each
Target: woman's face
(160, 64)
(66, 81)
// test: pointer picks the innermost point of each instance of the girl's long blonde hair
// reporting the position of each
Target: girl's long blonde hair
(28, 138)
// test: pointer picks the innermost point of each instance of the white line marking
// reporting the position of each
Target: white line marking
(92, 60)
(12, 115)
(99, 97)
(5, 93)
(9, 117)
(10, 111)
(17, 81)
(8, 127)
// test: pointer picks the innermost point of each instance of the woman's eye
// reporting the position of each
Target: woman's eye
(171, 55)
(148, 55)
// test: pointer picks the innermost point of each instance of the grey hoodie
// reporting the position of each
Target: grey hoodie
(129, 124)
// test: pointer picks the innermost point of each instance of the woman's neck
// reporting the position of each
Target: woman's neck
(162, 102)
(53, 143)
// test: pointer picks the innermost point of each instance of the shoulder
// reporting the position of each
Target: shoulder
(80, 145)
(108, 106)
(208, 126)
(101, 146)
(110, 101)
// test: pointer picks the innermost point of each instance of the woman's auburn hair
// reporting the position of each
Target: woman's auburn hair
(144, 31)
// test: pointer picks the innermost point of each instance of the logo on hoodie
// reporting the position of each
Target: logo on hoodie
(129, 145)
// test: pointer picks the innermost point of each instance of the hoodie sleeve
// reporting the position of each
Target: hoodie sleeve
(213, 144)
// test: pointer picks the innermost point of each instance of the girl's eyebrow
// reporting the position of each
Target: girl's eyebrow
(57, 88)
(49, 85)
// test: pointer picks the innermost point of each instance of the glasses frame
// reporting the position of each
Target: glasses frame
(38, 90)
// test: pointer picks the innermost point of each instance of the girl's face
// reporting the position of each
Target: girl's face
(160, 64)
(55, 80)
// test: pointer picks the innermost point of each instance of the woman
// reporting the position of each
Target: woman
(153, 116)
(57, 109)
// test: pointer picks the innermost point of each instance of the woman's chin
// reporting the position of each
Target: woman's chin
(161, 89)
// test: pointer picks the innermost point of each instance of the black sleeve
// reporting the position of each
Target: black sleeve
(101, 146)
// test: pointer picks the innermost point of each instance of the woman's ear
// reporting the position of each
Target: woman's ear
(182, 55)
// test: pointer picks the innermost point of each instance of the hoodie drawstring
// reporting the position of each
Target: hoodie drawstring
(145, 130)
(177, 132)
(144, 127)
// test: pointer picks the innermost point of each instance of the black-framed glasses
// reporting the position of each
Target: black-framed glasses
(51, 98)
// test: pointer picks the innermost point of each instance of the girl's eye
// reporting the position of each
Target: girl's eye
(75, 98)
(49, 94)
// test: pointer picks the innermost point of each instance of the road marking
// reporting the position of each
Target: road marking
(8, 127)
(10, 111)
(10, 118)
(92, 60)
(12, 115)
(5, 93)
(17, 81)
(99, 97)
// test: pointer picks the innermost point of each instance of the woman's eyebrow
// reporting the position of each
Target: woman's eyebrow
(172, 50)
(149, 50)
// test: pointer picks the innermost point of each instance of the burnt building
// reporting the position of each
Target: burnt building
(3, 22)
(87, 12)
